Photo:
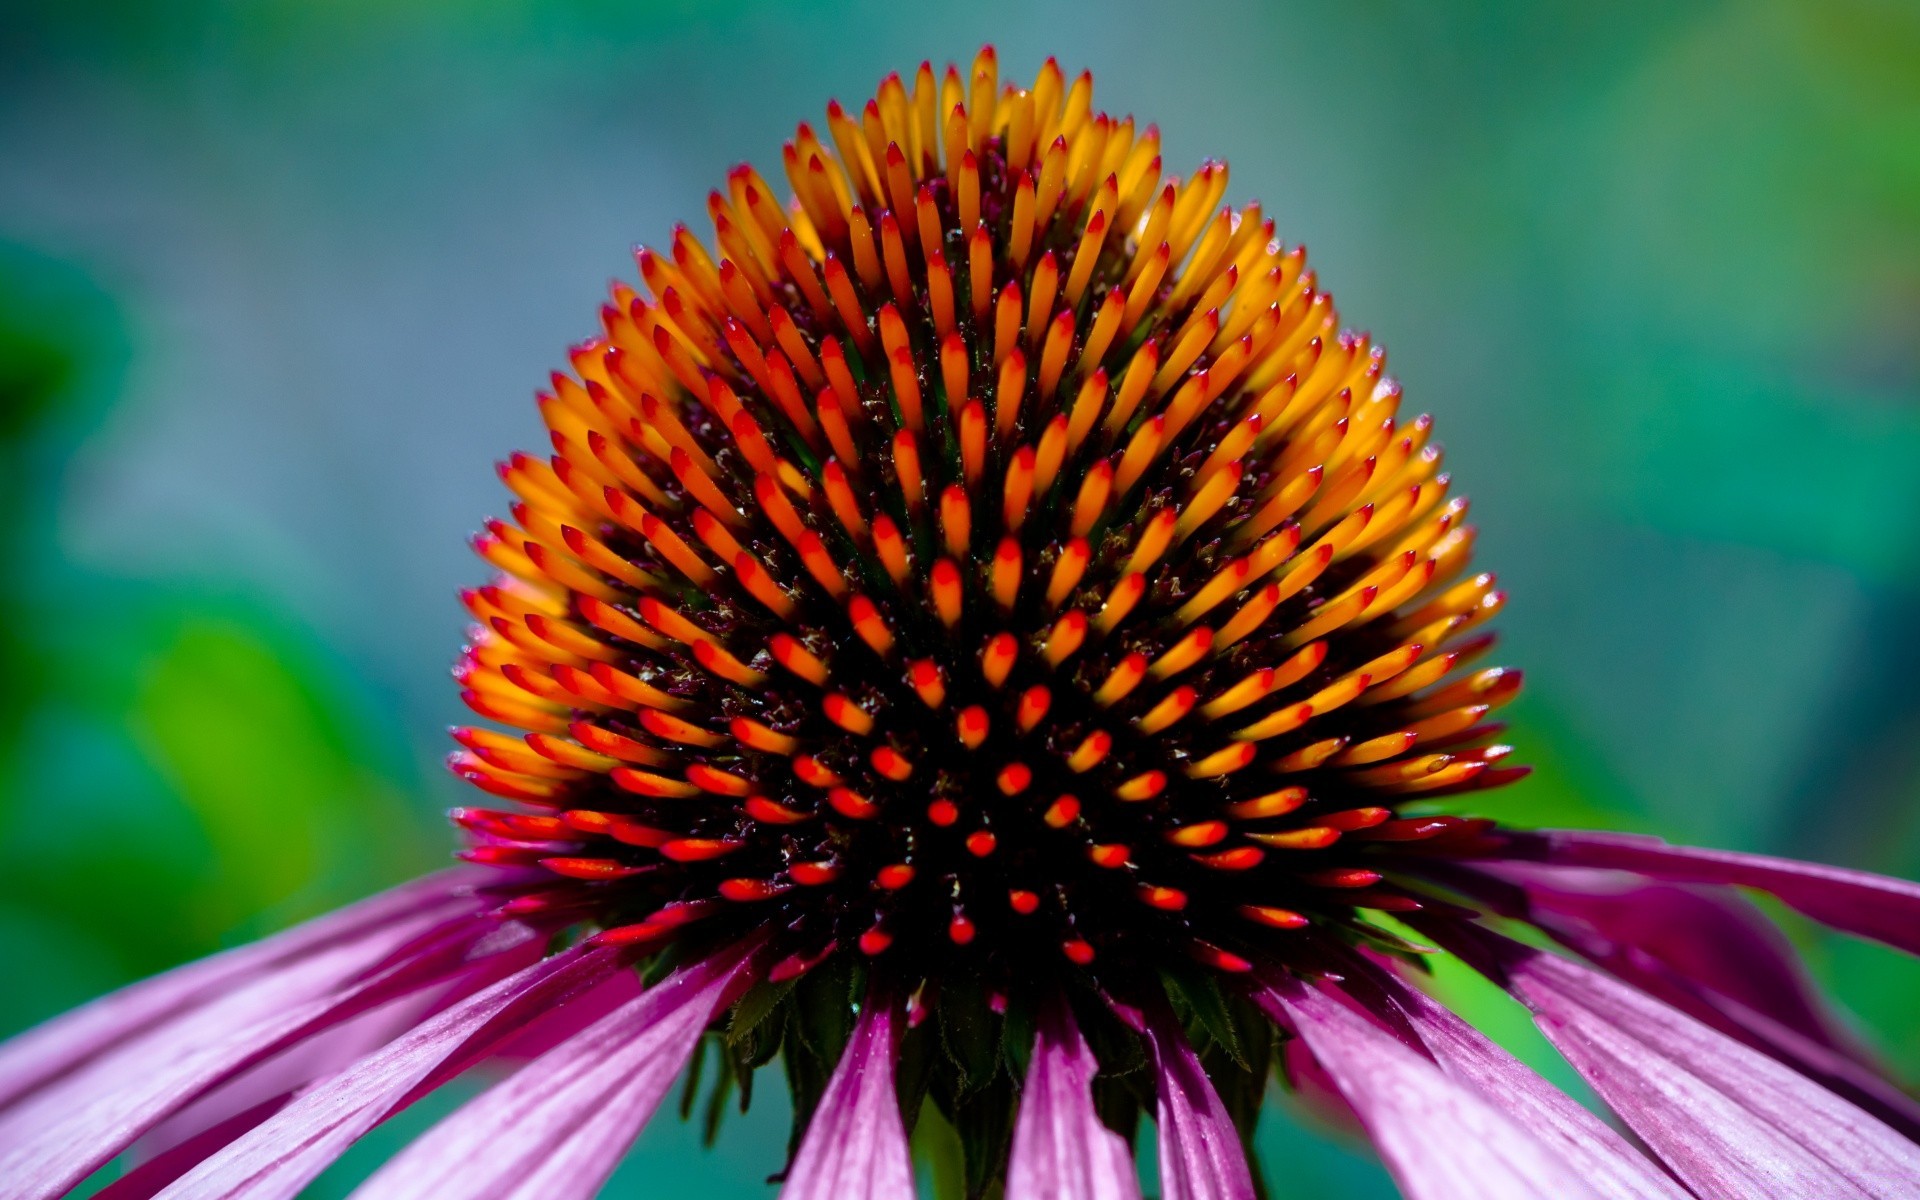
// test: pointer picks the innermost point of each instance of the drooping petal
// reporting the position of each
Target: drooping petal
(1612, 1168)
(1440, 1138)
(281, 1155)
(1200, 1154)
(1859, 902)
(61, 1045)
(68, 1128)
(856, 1146)
(557, 1128)
(1730, 1121)
(1708, 952)
(1061, 1151)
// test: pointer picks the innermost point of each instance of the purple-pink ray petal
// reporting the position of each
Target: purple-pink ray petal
(1200, 1154)
(1859, 902)
(558, 1127)
(1439, 1137)
(1061, 1151)
(65, 1043)
(855, 1147)
(1708, 952)
(1730, 1121)
(1612, 1168)
(67, 1129)
(277, 1157)
(281, 1155)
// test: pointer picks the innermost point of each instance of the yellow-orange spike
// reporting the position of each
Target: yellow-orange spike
(866, 252)
(1125, 676)
(1141, 787)
(794, 345)
(1120, 602)
(1005, 576)
(1006, 393)
(940, 292)
(1140, 453)
(840, 498)
(1020, 228)
(1151, 269)
(984, 88)
(800, 270)
(945, 587)
(953, 367)
(1171, 708)
(846, 303)
(779, 509)
(1085, 256)
(929, 682)
(1018, 492)
(1153, 540)
(1044, 289)
(980, 272)
(718, 662)
(1225, 582)
(756, 736)
(1051, 185)
(1237, 441)
(906, 388)
(1213, 494)
(1052, 452)
(820, 565)
(1053, 354)
(790, 654)
(1066, 636)
(760, 584)
(971, 725)
(833, 422)
(906, 466)
(957, 143)
(1154, 232)
(849, 716)
(1106, 323)
(1224, 761)
(868, 623)
(891, 548)
(1032, 709)
(1067, 570)
(927, 220)
(1086, 408)
(893, 246)
(997, 658)
(1333, 615)
(1133, 386)
(973, 441)
(1183, 653)
(1006, 322)
(1091, 504)
(956, 520)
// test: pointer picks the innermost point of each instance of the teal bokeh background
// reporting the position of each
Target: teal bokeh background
(278, 279)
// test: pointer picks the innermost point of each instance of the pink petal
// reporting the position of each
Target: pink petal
(1709, 953)
(68, 1128)
(57, 1047)
(1200, 1155)
(856, 1145)
(1061, 1150)
(1610, 1167)
(281, 1155)
(559, 1126)
(1859, 902)
(1728, 1120)
(1439, 1137)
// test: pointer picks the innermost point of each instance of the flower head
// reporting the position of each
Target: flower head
(988, 637)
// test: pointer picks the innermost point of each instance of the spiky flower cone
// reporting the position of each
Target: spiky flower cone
(986, 639)
(995, 564)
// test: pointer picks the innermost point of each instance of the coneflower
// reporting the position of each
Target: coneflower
(986, 637)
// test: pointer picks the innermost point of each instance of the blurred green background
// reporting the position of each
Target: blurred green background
(278, 279)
